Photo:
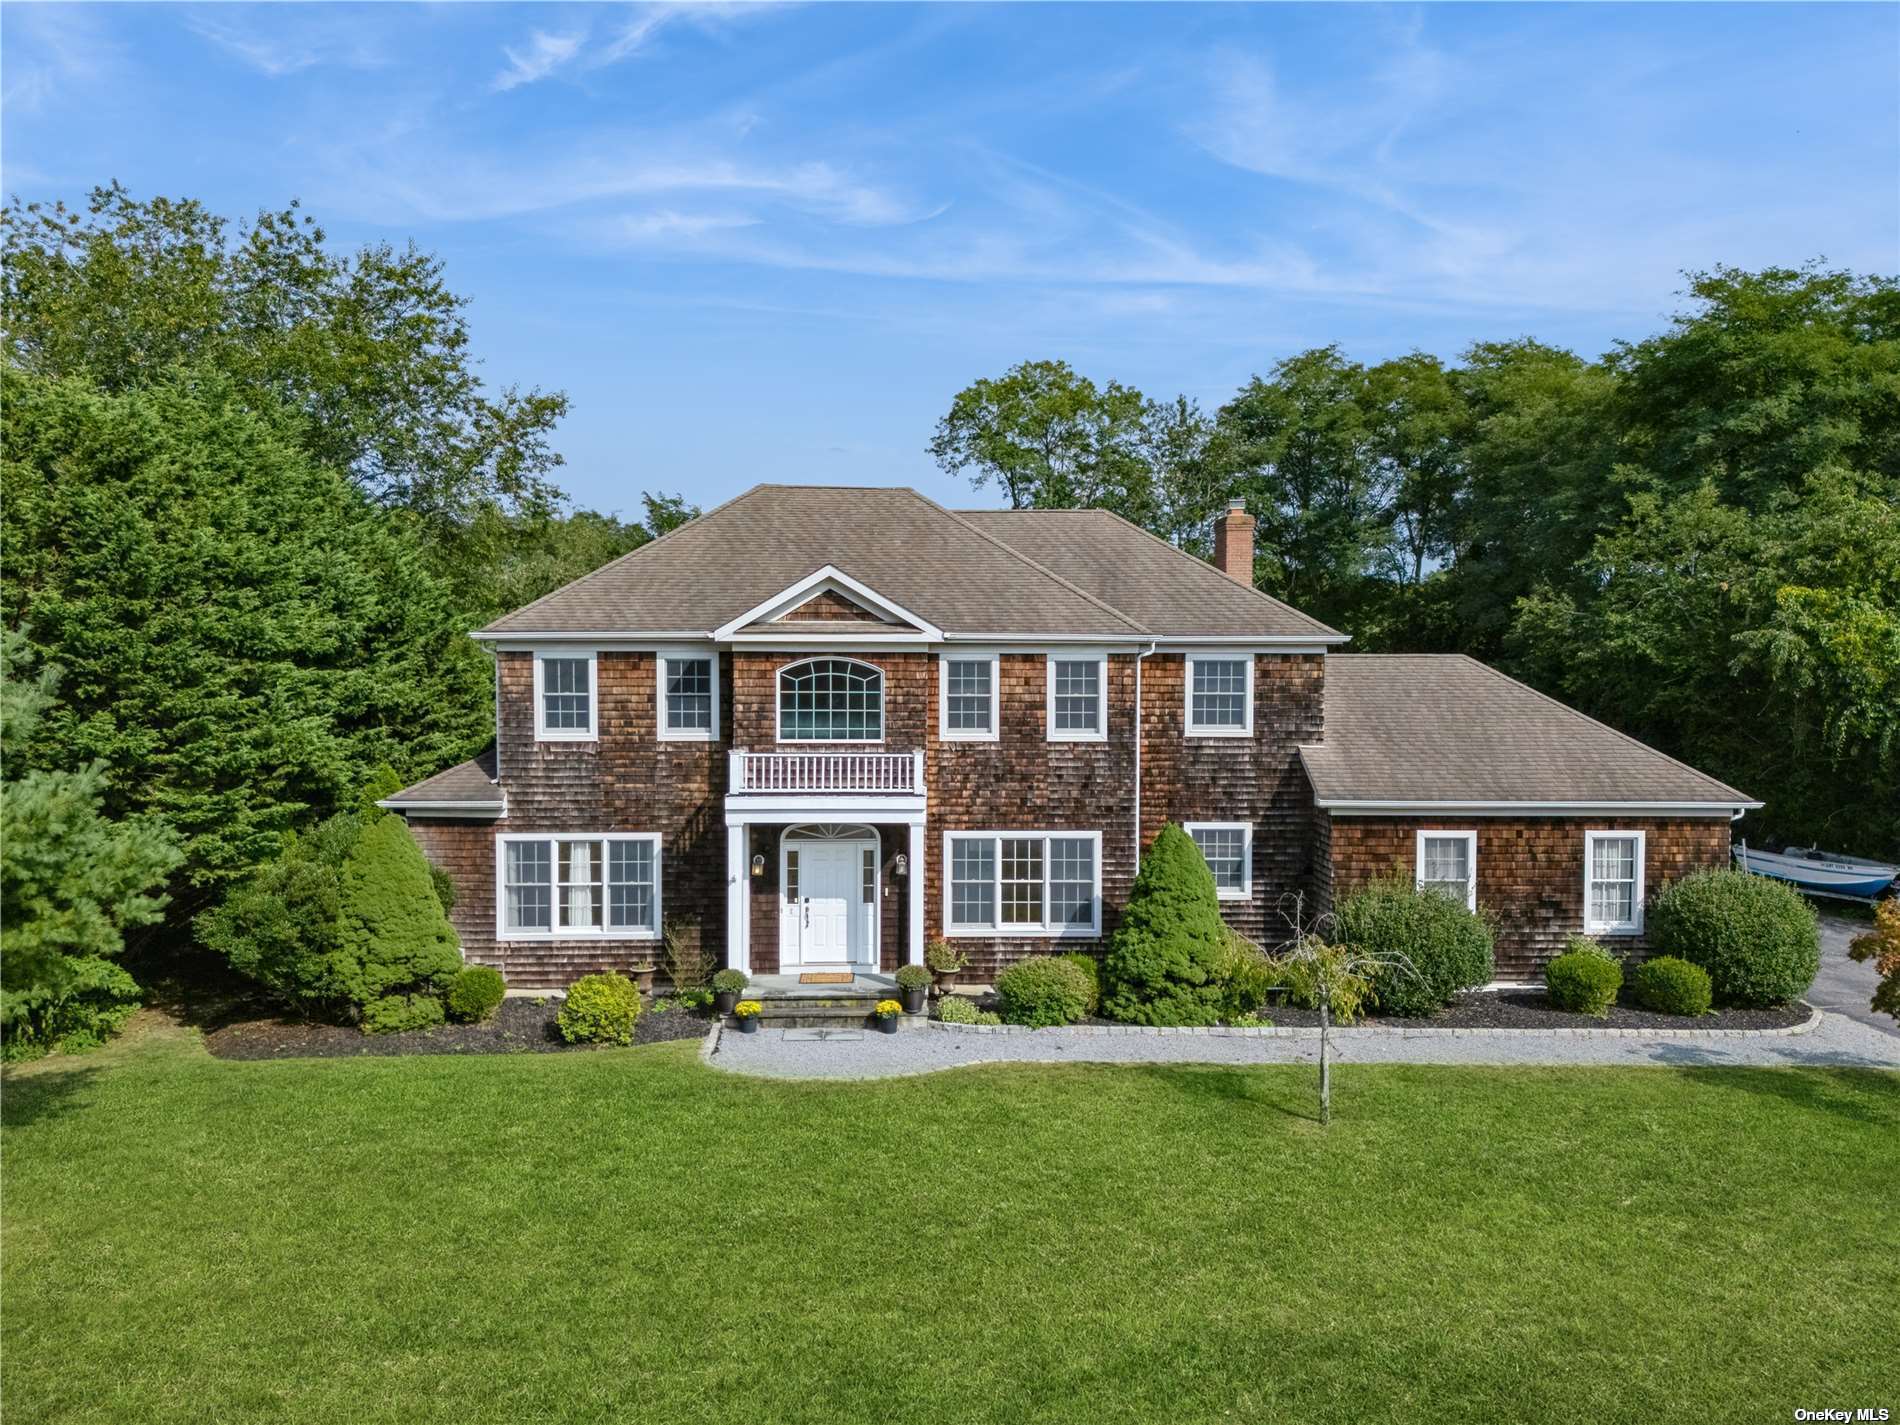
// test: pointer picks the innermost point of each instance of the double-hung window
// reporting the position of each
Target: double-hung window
(1078, 700)
(564, 696)
(967, 688)
(1023, 883)
(1227, 846)
(1448, 864)
(1613, 882)
(689, 697)
(1219, 695)
(562, 887)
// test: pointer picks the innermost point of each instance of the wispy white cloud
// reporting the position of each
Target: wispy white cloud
(53, 49)
(537, 59)
(291, 39)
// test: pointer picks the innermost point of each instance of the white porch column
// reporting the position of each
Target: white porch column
(738, 897)
(917, 891)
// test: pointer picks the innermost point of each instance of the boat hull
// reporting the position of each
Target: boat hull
(1865, 879)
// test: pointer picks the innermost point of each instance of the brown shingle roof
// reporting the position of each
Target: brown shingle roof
(1446, 728)
(470, 783)
(1167, 591)
(984, 575)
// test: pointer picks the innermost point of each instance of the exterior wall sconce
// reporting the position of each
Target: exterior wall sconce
(900, 864)
(758, 867)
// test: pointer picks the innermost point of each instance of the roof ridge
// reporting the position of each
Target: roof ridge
(1042, 569)
(1192, 559)
(616, 562)
(1585, 718)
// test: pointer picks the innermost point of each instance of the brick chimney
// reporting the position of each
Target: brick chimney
(1233, 542)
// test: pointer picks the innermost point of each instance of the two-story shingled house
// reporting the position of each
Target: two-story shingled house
(819, 727)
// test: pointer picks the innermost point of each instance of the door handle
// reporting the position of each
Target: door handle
(807, 904)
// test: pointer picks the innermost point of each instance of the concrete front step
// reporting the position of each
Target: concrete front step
(799, 1013)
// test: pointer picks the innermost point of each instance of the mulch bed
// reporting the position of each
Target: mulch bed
(1531, 1009)
(520, 1026)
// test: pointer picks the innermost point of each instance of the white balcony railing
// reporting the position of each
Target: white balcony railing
(869, 772)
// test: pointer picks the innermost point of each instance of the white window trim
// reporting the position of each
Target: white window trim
(556, 931)
(1100, 660)
(883, 705)
(1245, 893)
(687, 734)
(1590, 839)
(544, 733)
(1194, 729)
(944, 731)
(1470, 838)
(998, 931)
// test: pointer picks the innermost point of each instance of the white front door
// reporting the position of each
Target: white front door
(830, 918)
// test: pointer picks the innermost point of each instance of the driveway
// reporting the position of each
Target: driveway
(1844, 986)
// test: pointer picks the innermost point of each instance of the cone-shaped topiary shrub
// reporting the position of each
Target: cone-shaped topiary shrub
(1164, 960)
(392, 937)
(1759, 941)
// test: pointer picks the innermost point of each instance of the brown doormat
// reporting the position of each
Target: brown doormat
(825, 977)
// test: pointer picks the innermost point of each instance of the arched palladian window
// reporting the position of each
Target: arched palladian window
(830, 700)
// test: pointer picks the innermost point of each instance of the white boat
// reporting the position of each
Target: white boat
(1821, 872)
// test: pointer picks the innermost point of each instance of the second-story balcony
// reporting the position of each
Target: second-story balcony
(838, 773)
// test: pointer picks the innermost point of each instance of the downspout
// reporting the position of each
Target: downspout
(1152, 647)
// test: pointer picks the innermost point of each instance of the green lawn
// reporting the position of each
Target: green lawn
(626, 1235)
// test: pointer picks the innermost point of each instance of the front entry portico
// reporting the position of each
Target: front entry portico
(836, 881)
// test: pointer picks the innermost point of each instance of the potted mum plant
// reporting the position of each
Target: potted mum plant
(945, 960)
(887, 1012)
(746, 1013)
(913, 981)
(727, 985)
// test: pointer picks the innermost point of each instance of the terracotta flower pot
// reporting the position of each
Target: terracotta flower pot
(913, 1001)
(724, 1000)
(749, 1025)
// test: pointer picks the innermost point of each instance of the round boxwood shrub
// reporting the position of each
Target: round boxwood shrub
(600, 1009)
(475, 993)
(1164, 960)
(1042, 990)
(1092, 972)
(1759, 941)
(394, 1013)
(1447, 946)
(1671, 986)
(1583, 982)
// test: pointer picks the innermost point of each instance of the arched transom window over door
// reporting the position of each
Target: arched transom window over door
(830, 700)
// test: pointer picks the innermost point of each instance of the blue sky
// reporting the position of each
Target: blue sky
(762, 242)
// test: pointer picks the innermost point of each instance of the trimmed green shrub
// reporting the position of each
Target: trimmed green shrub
(1583, 983)
(1447, 946)
(1759, 941)
(1091, 969)
(88, 1005)
(1671, 986)
(729, 982)
(280, 928)
(475, 993)
(600, 1009)
(1042, 990)
(913, 977)
(955, 1009)
(1246, 974)
(392, 937)
(1164, 960)
(444, 887)
(393, 1013)
(1589, 945)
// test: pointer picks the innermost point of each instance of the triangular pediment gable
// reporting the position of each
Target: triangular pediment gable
(830, 601)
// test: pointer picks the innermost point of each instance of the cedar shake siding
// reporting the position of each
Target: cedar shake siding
(1346, 758)
(1530, 870)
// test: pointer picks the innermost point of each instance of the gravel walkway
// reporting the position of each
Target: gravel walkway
(1833, 1042)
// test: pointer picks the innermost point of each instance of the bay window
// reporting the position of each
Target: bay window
(1023, 883)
